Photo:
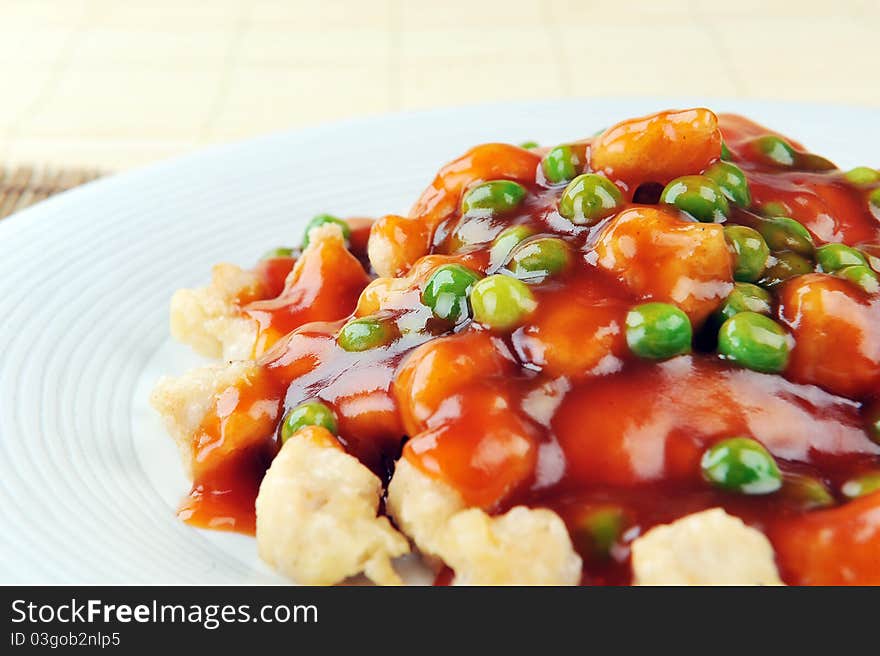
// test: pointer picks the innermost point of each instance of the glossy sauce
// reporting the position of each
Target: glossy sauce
(324, 284)
(558, 413)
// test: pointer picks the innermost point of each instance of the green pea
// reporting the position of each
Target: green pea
(832, 257)
(783, 266)
(320, 220)
(277, 252)
(310, 413)
(365, 333)
(539, 258)
(811, 162)
(785, 234)
(862, 175)
(774, 208)
(563, 163)
(732, 181)
(751, 252)
(755, 342)
(776, 150)
(529, 145)
(726, 155)
(741, 464)
(493, 197)
(658, 330)
(861, 485)
(699, 196)
(589, 198)
(505, 242)
(874, 198)
(745, 297)
(806, 492)
(501, 302)
(861, 275)
(599, 530)
(447, 290)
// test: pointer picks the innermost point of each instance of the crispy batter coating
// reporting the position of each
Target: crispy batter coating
(317, 515)
(208, 318)
(521, 547)
(706, 548)
(184, 401)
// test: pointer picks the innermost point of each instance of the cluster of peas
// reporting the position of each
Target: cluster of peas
(777, 249)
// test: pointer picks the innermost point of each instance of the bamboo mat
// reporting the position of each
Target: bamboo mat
(122, 83)
(25, 185)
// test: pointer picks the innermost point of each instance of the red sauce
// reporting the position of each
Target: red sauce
(558, 413)
(273, 272)
(324, 285)
(223, 497)
(444, 577)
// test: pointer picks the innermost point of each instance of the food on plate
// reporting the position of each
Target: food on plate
(316, 514)
(705, 548)
(242, 313)
(651, 356)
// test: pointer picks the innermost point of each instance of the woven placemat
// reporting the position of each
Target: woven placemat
(25, 185)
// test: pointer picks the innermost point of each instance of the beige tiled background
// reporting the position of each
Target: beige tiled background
(116, 83)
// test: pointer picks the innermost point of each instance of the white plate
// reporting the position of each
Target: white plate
(88, 479)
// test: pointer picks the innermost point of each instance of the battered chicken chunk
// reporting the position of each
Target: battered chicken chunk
(521, 547)
(208, 318)
(184, 401)
(317, 515)
(706, 548)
